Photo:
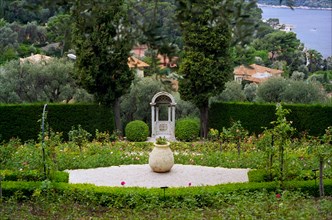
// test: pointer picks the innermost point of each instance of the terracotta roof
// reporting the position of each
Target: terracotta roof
(256, 73)
(133, 62)
(165, 61)
(35, 58)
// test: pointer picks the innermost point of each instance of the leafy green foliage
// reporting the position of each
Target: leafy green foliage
(303, 92)
(103, 46)
(79, 136)
(66, 155)
(136, 104)
(32, 175)
(161, 141)
(313, 119)
(235, 133)
(271, 90)
(321, 147)
(292, 90)
(155, 25)
(257, 176)
(22, 120)
(213, 134)
(282, 132)
(232, 93)
(137, 131)
(103, 40)
(59, 30)
(250, 91)
(205, 66)
(103, 137)
(187, 129)
(232, 198)
(323, 77)
(42, 82)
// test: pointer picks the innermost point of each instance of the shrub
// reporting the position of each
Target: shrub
(271, 90)
(137, 131)
(232, 92)
(303, 92)
(313, 119)
(32, 175)
(79, 136)
(21, 121)
(130, 197)
(103, 137)
(257, 176)
(187, 129)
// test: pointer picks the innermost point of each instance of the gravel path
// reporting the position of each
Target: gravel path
(143, 176)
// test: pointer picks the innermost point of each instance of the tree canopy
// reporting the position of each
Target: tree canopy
(207, 63)
(103, 43)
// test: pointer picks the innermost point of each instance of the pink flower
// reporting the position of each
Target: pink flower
(189, 184)
(123, 183)
(278, 196)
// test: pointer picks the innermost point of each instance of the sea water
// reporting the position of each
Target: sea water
(313, 27)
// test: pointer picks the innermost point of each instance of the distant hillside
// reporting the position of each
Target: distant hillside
(305, 3)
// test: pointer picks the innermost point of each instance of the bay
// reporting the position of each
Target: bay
(313, 27)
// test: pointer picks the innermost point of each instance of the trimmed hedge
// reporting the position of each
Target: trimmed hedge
(32, 175)
(23, 121)
(187, 129)
(313, 119)
(257, 175)
(137, 131)
(132, 197)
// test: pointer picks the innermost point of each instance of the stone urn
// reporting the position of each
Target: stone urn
(161, 159)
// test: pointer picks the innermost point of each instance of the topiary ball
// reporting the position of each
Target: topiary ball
(187, 129)
(137, 131)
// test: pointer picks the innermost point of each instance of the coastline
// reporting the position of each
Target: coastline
(298, 7)
(312, 27)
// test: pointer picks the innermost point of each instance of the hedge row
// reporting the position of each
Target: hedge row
(133, 197)
(24, 121)
(313, 119)
(32, 175)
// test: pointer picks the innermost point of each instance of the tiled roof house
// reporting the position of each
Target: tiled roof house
(255, 73)
(138, 65)
(36, 58)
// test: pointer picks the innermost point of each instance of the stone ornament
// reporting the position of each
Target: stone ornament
(161, 159)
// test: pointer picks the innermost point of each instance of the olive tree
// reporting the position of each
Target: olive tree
(232, 93)
(39, 82)
(303, 92)
(271, 90)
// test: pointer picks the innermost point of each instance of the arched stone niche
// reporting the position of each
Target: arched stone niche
(162, 126)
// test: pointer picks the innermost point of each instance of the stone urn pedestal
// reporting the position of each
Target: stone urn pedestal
(161, 159)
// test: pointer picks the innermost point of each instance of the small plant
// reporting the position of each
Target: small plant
(116, 136)
(235, 133)
(79, 136)
(161, 141)
(321, 147)
(282, 132)
(103, 137)
(213, 134)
